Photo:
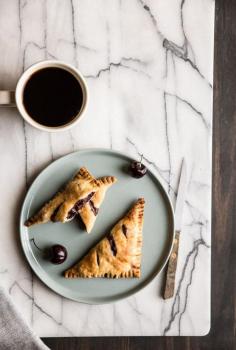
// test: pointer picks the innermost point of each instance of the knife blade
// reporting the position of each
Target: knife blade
(172, 263)
(179, 206)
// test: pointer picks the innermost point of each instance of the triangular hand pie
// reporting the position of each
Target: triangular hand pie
(119, 253)
(65, 205)
(89, 211)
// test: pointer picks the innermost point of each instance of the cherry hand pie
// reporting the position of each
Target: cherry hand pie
(82, 195)
(89, 211)
(119, 253)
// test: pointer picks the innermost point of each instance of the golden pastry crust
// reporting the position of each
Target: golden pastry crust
(62, 206)
(118, 254)
(89, 211)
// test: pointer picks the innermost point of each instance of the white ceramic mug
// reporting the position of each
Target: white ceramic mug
(15, 98)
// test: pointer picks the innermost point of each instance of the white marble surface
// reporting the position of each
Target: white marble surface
(149, 67)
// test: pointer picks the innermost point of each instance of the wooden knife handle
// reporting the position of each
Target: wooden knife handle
(171, 269)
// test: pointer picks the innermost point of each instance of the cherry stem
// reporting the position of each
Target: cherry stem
(33, 241)
(141, 158)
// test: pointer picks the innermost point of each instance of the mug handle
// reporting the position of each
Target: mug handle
(7, 98)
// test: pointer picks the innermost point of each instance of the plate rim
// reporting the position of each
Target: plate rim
(123, 295)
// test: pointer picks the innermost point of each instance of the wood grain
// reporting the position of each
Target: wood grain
(169, 287)
(222, 334)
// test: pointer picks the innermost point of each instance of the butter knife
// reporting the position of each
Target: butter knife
(172, 262)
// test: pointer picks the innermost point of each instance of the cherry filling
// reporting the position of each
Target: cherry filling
(53, 217)
(78, 205)
(124, 230)
(98, 260)
(112, 243)
(93, 208)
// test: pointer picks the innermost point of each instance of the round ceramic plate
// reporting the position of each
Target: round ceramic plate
(158, 229)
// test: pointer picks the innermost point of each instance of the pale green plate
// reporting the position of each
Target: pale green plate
(158, 227)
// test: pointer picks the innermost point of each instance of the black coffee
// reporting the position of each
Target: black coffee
(52, 97)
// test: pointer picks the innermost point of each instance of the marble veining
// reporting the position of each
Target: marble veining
(149, 66)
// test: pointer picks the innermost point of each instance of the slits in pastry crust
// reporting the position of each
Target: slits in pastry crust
(89, 211)
(67, 203)
(119, 253)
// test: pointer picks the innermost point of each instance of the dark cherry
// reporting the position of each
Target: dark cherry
(137, 169)
(58, 254)
(78, 205)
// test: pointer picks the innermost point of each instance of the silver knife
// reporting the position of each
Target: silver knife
(172, 263)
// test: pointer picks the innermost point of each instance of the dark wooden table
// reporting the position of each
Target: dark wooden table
(223, 329)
